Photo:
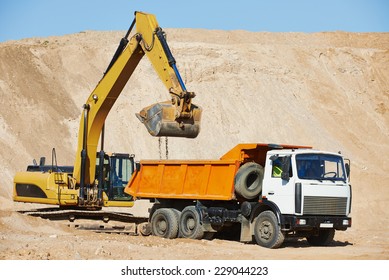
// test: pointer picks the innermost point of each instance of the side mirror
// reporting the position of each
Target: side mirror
(285, 168)
(273, 157)
(285, 176)
(347, 165)
(42, 161)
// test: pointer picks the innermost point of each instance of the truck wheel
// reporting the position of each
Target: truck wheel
(164, 223)
(267, 231)
(190, 224)
(324, 238)
(248, 180)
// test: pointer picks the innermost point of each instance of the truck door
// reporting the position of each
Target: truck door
(276, 189)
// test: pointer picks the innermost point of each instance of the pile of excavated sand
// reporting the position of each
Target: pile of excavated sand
(326, 90)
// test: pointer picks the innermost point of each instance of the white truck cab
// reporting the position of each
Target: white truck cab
(309, 194)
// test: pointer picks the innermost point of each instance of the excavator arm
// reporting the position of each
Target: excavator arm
(177, 117)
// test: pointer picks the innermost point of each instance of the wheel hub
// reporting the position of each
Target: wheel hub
(162, 225)
(266, 230)
(190, 223)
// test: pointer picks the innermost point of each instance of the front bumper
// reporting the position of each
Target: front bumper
(308, 222)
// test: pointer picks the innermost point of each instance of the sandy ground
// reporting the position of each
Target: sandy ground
(327, 90)
(30, 238)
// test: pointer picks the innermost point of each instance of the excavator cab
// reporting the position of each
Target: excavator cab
(116, 171)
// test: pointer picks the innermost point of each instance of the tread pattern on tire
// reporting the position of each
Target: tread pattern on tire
(277, 237)
(248, 180)
(171, 219)
(197, 232)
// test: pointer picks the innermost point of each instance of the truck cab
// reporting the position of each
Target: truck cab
(309, 192)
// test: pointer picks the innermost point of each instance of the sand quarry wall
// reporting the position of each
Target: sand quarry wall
(326, 90)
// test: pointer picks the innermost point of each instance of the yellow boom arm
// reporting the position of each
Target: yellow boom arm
(177, 117)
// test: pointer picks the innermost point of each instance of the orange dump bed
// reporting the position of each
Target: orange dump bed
(195, 179)
(184, 180)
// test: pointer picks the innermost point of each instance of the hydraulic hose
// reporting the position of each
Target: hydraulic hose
(84, 154)
(172, 62)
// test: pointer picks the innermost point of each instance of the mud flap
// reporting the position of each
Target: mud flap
(246, 233)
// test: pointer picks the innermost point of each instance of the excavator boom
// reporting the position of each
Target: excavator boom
(177, 117)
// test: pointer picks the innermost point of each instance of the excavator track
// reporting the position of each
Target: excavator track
(97, 221)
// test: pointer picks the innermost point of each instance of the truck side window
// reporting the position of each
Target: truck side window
(277, 167)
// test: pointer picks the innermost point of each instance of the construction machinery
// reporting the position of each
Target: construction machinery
(97, 179)
(265, 191)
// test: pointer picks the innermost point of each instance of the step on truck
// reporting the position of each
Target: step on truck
(260, 192)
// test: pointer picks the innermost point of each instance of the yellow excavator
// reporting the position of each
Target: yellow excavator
(98, 179)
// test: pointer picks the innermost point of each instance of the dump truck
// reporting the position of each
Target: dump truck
(265, 192)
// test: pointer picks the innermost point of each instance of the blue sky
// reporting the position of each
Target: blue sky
(40, 18)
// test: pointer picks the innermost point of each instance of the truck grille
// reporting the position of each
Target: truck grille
(321, 205)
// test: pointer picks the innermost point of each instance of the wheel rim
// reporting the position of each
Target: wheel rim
(266, 231)
(161, 226)
(190, 224)
(252, 181)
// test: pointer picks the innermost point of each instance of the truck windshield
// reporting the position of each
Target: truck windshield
(320, 167)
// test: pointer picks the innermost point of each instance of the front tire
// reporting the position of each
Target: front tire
(267, 231)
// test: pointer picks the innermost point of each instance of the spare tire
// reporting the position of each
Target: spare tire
(248, 180)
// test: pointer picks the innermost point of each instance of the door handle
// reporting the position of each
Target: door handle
(270, 193)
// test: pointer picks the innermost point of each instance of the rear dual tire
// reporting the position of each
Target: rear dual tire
(171, 223)
(190, 224)
(164, 223)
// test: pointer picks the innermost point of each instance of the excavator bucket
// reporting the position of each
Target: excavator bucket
(163, 119)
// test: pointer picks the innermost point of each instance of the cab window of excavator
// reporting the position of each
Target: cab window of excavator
(121, 171)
